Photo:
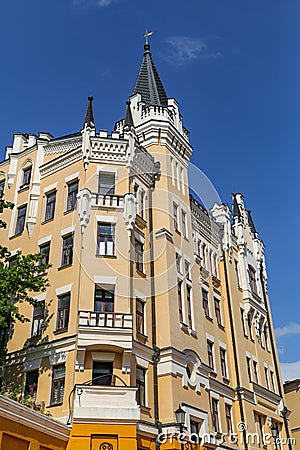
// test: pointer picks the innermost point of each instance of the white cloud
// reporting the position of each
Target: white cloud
(290, 371)
(292, 328)
(100, 3)
(185, 49)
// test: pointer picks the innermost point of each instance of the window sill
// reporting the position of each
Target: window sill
(184, 328)
(226, 380)
(69, 211)
(142, 336)
(209, 318)
(64, 267)
(23, 188)
(16, 235)
(193, 333)
(60, 330)
(145, 410)
(54, 404)
(47, 221)
(106, 256)
(142, 274)
(222, 326)
(213, 373)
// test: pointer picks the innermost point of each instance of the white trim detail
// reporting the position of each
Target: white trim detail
(215, 395)
(40, 297)
(107, 219)
(222, 345)
(105, 280)
(210, 338)
(141, 362)
(51, 187)
(102, 356)
(72, 177)
(106, 169)
(64, 289)
(140, 296)
(68, 230)
(44, 240)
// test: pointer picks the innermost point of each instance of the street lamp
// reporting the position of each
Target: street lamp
(274, 432)
(180, 420)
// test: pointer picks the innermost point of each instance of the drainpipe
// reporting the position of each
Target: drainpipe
(273, 346)
(156, 354)
(236, 364)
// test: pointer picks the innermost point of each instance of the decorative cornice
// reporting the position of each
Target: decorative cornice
(62, 146)
(16, 413)
(61, 162)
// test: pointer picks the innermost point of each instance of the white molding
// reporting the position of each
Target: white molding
(40, 297)
(140, 296)
(215, 395)
(68, 230)
(103, 356)
(98, 279)
(44, 240)
(57, 358)
(64, 289)
(209, 337)
(142, 362)
(106, 169)
(222, 345)
(107, 219)
(51, 187)
(72, 177)
(16, 413)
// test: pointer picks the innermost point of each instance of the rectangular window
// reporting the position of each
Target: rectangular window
(31, 383)
(243, 321)
(218, 311)
(272, 380)
(210, 353)
(215, 415)
(249, 321)
(178, 263)
(63, 311)
(140, 316)
(248, 361)
(179, 297)
(106, 183)
(45, 252)
(2, 185)
(72, 195)
(184, 224)
(26, 177)
(139, 256)
(50, 206)
(189, 306)
(21, 216)
(255, 372)
(252, 279)
(67, 250)
(140, 383)
(102, 373)
(205, 302)
(260, 424)
(38, 319)
(236, 266)
(187, 267)
(106, 239)
(228, 416)
(267, 378)
(175, 214)
(58, 384)
(266, 337)
(195, 430)
(223, 362)
(103, 301)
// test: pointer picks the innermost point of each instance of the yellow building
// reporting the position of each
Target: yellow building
(154, 302)
(292, 396)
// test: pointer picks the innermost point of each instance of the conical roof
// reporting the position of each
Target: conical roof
(89, 115)
(236, 209)
(251, 223)
(128, 116)
(148, 82)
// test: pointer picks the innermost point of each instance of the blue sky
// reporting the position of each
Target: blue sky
(233, 66)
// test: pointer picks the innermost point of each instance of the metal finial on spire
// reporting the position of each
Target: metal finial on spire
(146, 35)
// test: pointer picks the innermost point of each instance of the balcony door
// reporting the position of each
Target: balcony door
(102, 373)
(104, 301)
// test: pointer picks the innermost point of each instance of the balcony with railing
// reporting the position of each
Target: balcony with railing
(107, 200)
(105, 329)
(104, 398)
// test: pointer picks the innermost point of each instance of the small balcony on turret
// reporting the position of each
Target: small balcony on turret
(111, 201)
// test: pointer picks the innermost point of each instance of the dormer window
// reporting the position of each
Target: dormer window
(26, 177)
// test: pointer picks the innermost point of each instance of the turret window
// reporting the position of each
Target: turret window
(106, 239)
(63, 312)
(106, 183)
(210, 353)
(205, 303)
(67, 250)
(215, 415)
(140, 384)
(26, 177)
(58, 384)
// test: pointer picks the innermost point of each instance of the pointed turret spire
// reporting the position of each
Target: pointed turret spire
(89, 115)
(236, 209)
(148, 82)
(128, 123)
(251, 223)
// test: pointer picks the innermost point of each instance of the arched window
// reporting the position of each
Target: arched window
(26, 175)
